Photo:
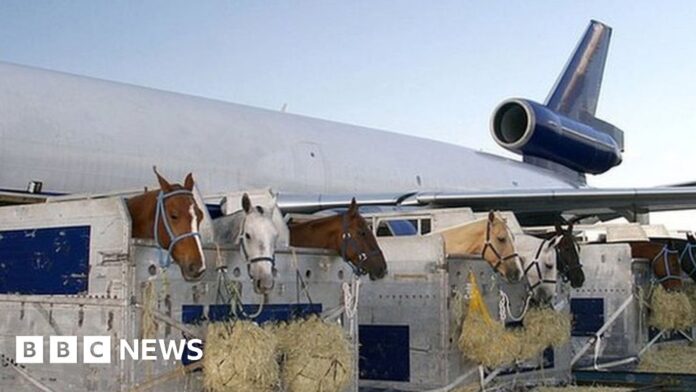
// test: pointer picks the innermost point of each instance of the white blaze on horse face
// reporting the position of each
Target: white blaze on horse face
(194, 229)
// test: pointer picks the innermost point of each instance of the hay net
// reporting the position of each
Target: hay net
(670, 310)
(487, 342)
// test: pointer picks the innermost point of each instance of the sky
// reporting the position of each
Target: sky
(431, 69)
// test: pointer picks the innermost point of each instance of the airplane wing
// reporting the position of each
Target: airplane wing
(541, 203)
(583, 200)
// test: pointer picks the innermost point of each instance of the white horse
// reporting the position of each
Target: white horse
(538, 259)
(258, 233)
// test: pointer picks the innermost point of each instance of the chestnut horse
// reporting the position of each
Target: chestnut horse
(171, 216)
(488, 237)
(664, 261)
(346, 233)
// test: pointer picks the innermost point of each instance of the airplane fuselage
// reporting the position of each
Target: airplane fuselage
(77, 134)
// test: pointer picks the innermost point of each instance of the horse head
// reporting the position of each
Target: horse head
(499, 248)
(666, 266)
(568, 256)
(358, 244)
(538, 258)
(687, 258)
(257, 240)
(172, 217)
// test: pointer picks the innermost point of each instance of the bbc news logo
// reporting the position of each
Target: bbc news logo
(98, 349)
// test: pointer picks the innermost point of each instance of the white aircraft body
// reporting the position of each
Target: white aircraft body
(75, 134)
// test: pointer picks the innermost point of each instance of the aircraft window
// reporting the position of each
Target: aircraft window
(425, 227)
(383, 230)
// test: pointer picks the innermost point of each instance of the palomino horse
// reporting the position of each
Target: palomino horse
(488, 237)
(568, 257)
(172, 218)
(538, 258)
(256, 234)
(664, 261)
(348, 234)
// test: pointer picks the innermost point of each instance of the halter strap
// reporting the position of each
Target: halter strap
(242, 247)
(688, 251)
(348, 242)
(165, 259)
(489, 245)
(537, 268)
(669, 274)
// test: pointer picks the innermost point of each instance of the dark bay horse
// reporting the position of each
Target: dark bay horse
(664, 260)
(568, 256)
(171, 216)
(687, 257)
(346, 233)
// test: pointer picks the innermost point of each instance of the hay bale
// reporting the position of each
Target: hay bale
(240, 357)
(670, 310)
(669, 359)
(316, 356)
(690, 291)
(573, 388)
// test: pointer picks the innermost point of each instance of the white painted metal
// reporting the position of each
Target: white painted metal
(119, 268)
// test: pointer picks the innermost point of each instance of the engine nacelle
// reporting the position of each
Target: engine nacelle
(529, 128)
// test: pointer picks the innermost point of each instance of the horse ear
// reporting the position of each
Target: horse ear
(246, 203)
(353, 209)
(164, 185)
(491, 216)
(188, 182)
(559, 229)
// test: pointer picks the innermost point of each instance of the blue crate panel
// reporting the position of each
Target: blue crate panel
(46, 261)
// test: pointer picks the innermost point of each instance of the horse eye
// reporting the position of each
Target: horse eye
(247, 236)
(502, 239)
(174, 216)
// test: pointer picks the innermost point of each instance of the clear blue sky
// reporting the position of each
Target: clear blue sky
(433, 69)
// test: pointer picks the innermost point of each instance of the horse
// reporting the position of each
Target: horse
(346, 233)
(171, 216)
(664, 261)
(538, 258)
(253, 229)
(488, 237)
(568, 256)
(687, 257)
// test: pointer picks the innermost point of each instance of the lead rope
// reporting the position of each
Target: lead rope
(351, 297)
(504, 308)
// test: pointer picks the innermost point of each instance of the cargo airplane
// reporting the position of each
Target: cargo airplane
(61, 133)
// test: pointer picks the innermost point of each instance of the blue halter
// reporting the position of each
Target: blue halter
(664, 257)
(688, 251)
(165, 259)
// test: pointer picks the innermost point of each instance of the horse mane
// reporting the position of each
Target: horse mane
(459, 226)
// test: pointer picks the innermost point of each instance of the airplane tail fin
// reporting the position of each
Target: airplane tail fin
(576, 91)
